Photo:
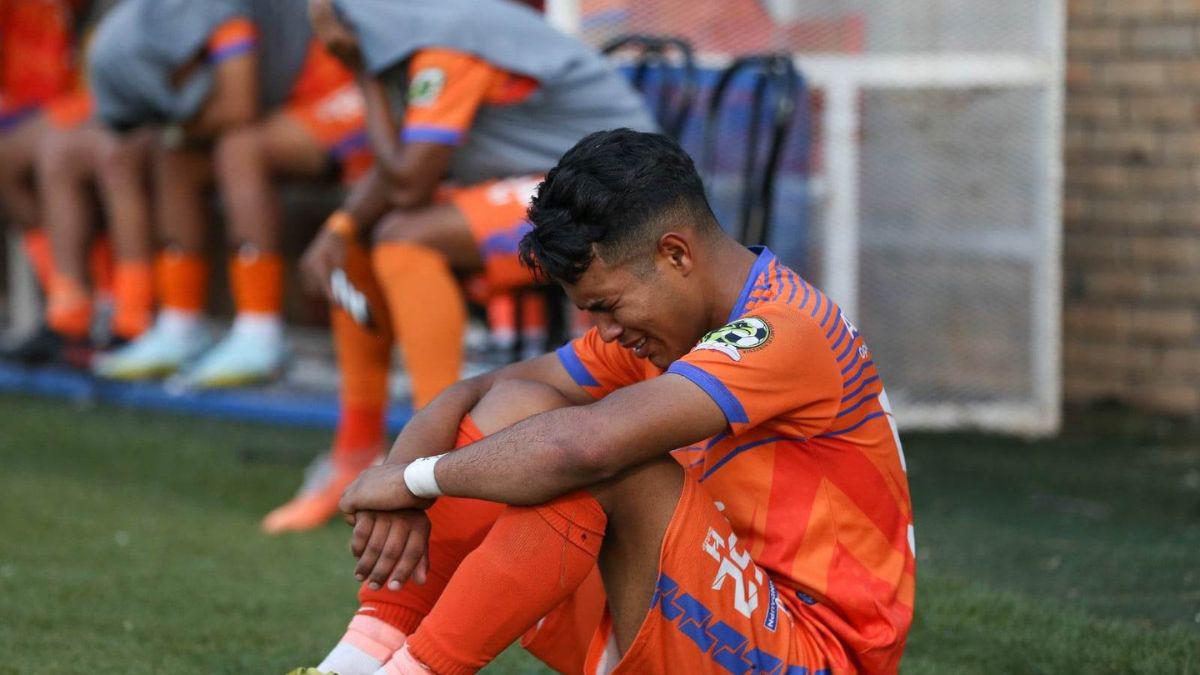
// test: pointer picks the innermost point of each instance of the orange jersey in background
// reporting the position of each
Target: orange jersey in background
(810, 472)
(446, 88)
(37, 55)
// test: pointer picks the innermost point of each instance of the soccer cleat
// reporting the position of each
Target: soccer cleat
(158, 352)
(317, 499)
(241, 359)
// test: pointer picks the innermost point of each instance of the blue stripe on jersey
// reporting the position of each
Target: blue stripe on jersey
(428, 134)
(734, 412)
(856, 406)
(791, 278)
(828, 308)
(744, 447)
(835, 326)
(849, 346)
(857, 375)
(816, 305)
(841, 336)
(760, 265)
(856, 392)
(856, 425)
(575, 367)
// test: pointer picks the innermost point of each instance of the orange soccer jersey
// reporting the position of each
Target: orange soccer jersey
(37, 54)
(809, 473)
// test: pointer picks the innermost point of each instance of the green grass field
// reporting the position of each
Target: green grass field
(129, 544)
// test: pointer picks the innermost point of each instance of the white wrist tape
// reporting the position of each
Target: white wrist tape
(419, 477)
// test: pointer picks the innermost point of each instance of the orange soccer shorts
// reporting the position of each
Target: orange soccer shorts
(70, 111)
(327, 103)
(495, 211)
(714, 610)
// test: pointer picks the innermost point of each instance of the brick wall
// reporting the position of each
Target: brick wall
(1132, 204)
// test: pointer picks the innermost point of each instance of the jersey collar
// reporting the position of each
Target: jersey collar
(760, 268)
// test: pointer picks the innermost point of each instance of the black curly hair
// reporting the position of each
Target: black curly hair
(612, 195)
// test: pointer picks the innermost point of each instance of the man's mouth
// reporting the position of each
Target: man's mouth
(639, 348)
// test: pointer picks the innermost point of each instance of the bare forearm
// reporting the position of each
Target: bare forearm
(368, 199)
(530, 462)
(433, 430)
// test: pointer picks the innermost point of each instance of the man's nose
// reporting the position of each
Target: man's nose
(609, 330)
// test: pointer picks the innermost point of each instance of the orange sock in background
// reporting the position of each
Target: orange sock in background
(36, 243)
(364, 356)
(533, 324)
(100, 266)
(428, 314)
(68, 307)
(133, 298)
(532, 560)
(182, 281)
(257, 282)
(502, 320)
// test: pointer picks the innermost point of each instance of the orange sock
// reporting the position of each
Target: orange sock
(100, 265)
(428, 314)
(257, 282)
(359, 435)
(502, 320)
(68, 307)
(182, 279)
(363, 358)
(533, 324)
(532, 560)
(36, 243)
(133, 298)
(459, 525)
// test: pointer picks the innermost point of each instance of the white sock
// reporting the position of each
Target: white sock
(366, 646)
(346, 659)
(179, 324)
(260, 327)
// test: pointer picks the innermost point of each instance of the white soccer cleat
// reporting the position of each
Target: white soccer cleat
(242, 358)
(161, 351)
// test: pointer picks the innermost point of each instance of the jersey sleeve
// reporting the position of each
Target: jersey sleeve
(601, 367)
(233, 38)
(770, 363)
(445, 90)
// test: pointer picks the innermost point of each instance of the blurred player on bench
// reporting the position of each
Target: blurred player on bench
(720, 446)
(244, 95)
(40, 93)
(468, 104)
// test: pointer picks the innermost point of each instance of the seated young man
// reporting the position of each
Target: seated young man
(468, 103)
(720, 446)
(247, 96)
(39, 69)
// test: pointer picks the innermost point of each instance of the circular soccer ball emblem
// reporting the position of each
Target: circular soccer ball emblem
(746, 333)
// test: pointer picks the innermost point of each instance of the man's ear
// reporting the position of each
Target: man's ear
(675, 250)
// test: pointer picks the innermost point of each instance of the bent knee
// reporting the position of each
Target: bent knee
(510, 401)
(402, 227)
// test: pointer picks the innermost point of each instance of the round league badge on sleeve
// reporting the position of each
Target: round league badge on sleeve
(745, 334)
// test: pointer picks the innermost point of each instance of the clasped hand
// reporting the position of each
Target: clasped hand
(391, 530)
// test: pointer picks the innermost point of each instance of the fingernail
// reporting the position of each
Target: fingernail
(374, 586)
(394, 585)
(359, 577)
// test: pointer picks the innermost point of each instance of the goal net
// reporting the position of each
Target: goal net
(920, 184)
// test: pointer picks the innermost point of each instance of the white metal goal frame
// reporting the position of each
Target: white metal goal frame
(842, 80)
